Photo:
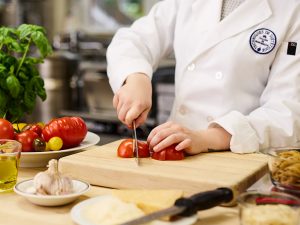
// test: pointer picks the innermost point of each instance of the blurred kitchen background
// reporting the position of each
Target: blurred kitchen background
(75, 75)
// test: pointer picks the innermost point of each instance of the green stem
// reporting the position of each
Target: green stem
(24, 56)
(4, 115)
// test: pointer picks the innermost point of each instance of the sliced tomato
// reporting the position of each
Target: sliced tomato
(125, 149)
(168, 153)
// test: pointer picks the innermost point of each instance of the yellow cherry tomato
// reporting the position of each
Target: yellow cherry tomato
(47, 147)
(19, 126)
(41, 124)
(55, 143)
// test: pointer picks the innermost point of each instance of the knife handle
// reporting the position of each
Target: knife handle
(204, 200)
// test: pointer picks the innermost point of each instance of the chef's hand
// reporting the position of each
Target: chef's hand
(134, 99)
(192, 142)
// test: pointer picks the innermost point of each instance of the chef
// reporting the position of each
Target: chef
(237, 79)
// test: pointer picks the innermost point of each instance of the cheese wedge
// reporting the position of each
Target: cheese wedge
(111, 211)
(149, 200)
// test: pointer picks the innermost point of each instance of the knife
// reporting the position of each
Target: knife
(185, 207)
(135, 144)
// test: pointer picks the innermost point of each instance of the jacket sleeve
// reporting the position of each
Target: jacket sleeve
(276, 123)
(140, 47)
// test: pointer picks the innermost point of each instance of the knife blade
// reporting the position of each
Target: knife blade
(135, 144)
(185, 207)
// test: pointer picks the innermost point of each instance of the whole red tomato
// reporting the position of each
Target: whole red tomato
(125, 149)
(33, 127)
(6, 129)
(168, 153)
(26, 138)
(71, 130)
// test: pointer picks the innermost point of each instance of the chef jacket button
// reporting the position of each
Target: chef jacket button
(209, 118)
(191, 67)
(219, 75)
(182, 110)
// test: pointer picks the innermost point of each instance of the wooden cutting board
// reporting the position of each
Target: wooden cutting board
(100, 166)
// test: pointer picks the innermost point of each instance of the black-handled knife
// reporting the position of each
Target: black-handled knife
(184, 207)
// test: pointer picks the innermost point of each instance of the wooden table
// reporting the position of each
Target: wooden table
(16, 210)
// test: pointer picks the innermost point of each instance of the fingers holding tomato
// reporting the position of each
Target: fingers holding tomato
(171, 133)
(125, 149)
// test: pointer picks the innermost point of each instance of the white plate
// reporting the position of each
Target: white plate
(26, 189)
(41, 159)
(78, 218)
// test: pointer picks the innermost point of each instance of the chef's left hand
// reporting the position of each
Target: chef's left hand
(192, 142)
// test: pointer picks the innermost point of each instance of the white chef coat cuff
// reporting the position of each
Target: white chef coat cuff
(120, 72)
(244, 138)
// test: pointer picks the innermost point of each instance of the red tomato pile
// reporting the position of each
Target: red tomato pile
(125, 150)
(34, 137)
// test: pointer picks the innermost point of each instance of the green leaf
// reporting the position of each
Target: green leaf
(8, 61)
(34, 71)
(15, 111)
(31, 60)
(6, 32)
(25, 30)
(3, 100)
(42, 94)
(29, 100)
(37, 84)
(13, 85)
(15, 46)
(3, 84)
(22, 76)
(41, 42)
(2, 68)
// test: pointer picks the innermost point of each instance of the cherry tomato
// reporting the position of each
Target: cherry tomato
(6, 129)
(26, 138)
(125, 149)
(71, 130)
(168, 153)
(18, 126)
(55, 143)
(33, 127)
(39, 145)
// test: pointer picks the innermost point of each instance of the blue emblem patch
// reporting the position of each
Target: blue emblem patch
(263, 41)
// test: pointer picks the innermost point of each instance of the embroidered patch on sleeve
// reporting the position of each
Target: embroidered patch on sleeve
(292, 48)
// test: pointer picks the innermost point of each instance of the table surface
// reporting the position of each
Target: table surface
(16, 210)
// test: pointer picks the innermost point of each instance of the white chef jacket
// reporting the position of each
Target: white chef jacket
(241, 73)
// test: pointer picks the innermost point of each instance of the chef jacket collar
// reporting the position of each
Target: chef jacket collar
(249, 14)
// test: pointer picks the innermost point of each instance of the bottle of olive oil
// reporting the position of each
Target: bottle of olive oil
(8, 171)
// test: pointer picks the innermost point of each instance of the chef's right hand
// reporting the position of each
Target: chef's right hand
(133, 100)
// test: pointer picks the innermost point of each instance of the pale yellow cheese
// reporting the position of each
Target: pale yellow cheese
(149, 200)
(111, 211)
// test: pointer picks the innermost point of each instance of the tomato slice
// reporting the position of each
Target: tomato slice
(168, 153)
(125, 149)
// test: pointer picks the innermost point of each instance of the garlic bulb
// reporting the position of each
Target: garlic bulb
(51, 182)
